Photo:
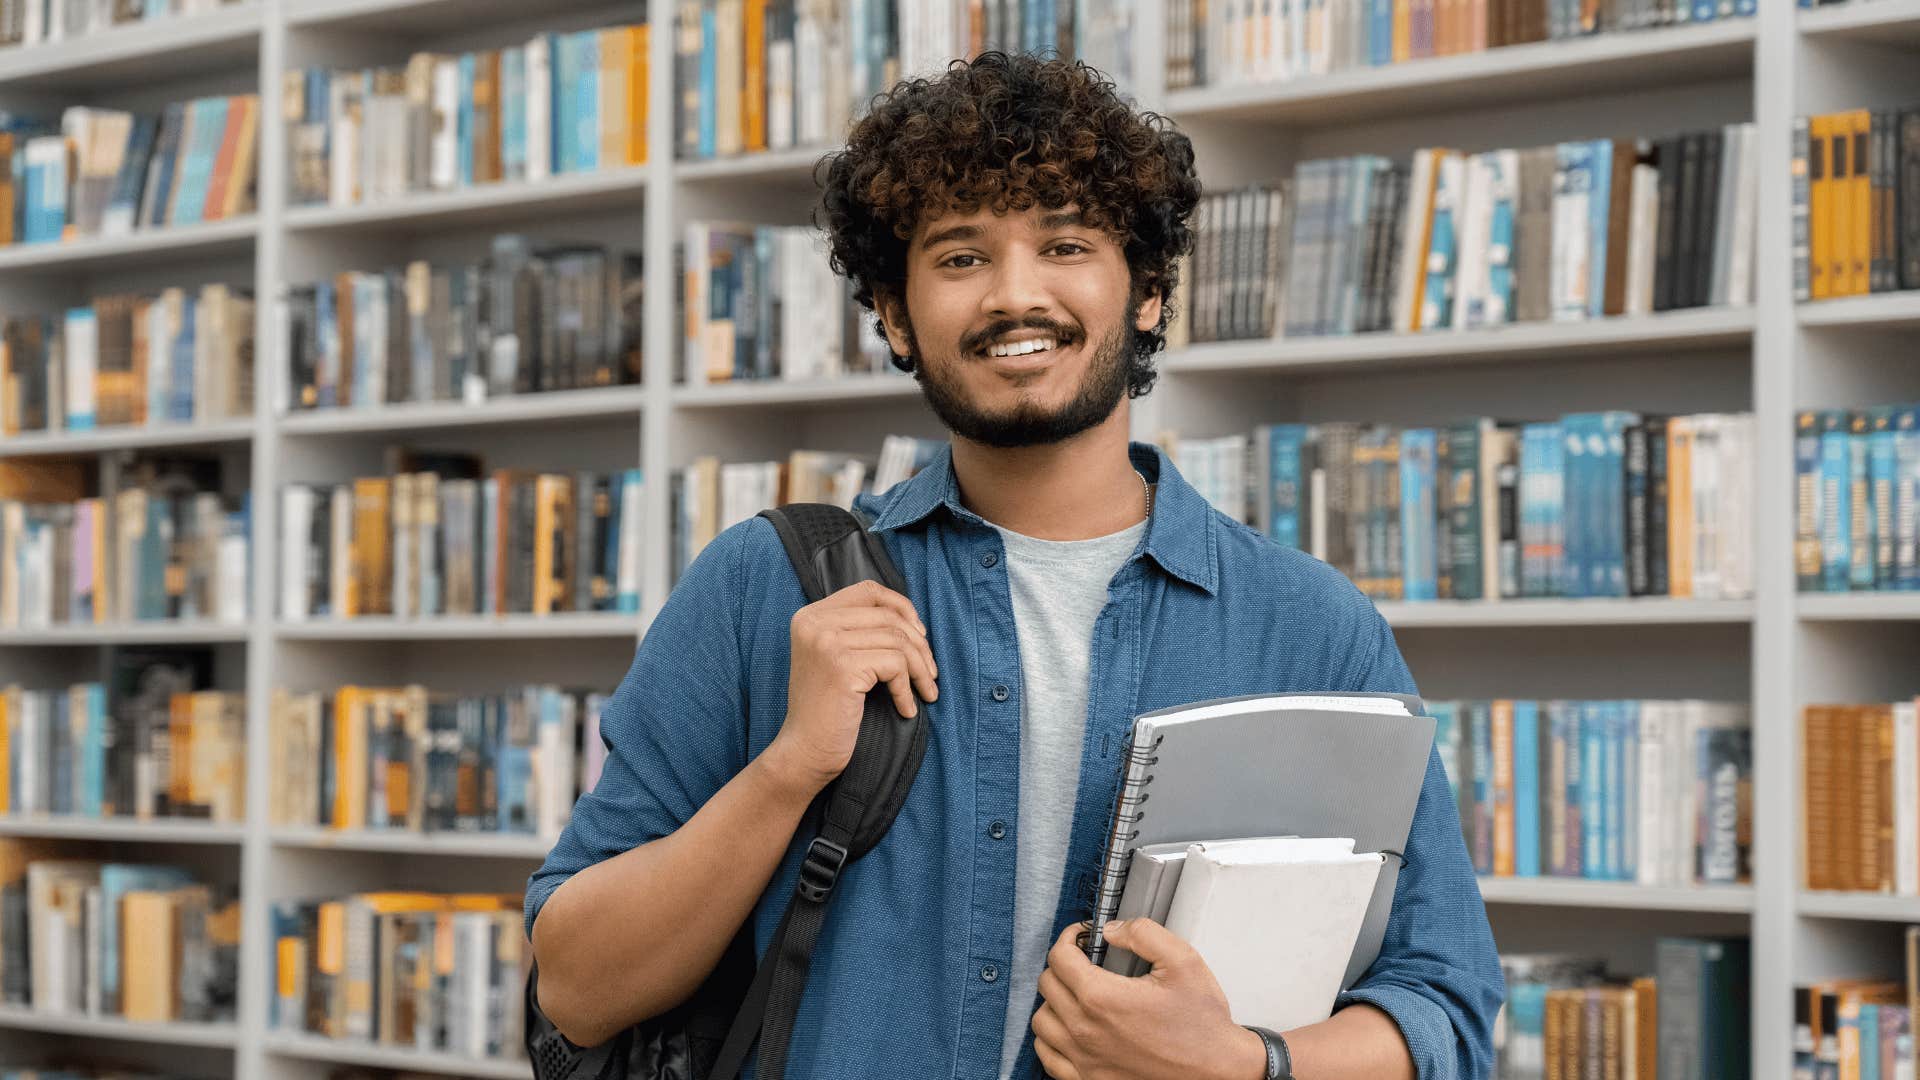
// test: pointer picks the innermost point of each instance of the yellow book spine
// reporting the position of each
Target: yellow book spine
(1820, 205)
(1503, 841)
(614, 57)
(1860, 188)
(639, 39)
(1402, 31)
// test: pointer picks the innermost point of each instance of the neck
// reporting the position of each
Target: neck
(1079, 489)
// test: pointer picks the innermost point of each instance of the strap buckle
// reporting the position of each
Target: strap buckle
(820, 870)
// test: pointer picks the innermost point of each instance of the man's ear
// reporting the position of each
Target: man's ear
(1148, 314)
(892, 312)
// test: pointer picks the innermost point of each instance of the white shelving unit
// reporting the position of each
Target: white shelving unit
(1779, 650)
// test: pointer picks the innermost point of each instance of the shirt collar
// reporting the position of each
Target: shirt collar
(1180, 535)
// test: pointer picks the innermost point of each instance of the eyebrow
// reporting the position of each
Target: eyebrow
(1060, 219)
(1053, 219)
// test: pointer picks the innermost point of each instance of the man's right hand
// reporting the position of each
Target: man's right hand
(843, 646)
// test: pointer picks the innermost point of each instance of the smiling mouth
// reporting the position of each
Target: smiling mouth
(1029, 347)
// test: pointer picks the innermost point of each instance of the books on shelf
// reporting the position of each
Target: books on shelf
(1653, 792)
(760, 302)
(177, 356)
(709, 497)
(1565, 1017)
(757, 75)
(1860, 1026)
(45, 22)
(427, 971)
(406, 758)
(105, 172)
(1241, 43)
(146, 943)
(1604, 504)
(444, 537)
(1861, 797)
(1857, 499)
(152, 752)
(523, 319)
(559, 103)
(1856, 202)
(1452, 241)
(166, 545)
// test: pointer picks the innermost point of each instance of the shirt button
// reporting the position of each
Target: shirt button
(1000, 692)
(997, 830)
(989, 559)
(989, 973)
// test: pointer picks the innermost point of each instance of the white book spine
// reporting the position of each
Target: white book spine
(1643, 219)
(82, 340)
(341, 523)
(1739, 292)
(296, 508)
(1651, 786)
(443, 167)
(1906, 799)
(539, 108)
(342, 144)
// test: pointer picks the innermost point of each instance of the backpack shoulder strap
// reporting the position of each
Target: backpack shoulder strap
(830, 549)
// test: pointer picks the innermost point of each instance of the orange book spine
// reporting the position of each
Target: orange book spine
(754, 93)
(615, 56)
(216, 197)
(242, 173)
(1503, 842)
(638, 39)
(1402, 31)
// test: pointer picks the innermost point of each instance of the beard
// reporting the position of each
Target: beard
(1102, 387)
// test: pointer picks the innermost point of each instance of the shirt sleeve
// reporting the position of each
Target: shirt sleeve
(675, 728)
(1438, 975)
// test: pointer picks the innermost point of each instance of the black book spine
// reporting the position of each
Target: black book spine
(1884, 273)
(1656, 432)
(1665, 238)
(1908, 199)
(1637, 489)
(1687, 222)
(1707, 207)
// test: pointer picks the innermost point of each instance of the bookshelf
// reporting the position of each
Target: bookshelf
(1779, 649)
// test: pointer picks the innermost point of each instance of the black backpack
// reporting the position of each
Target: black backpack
(707, 1037)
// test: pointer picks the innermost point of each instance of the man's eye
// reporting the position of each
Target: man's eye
(1070, 247)
(954, 261)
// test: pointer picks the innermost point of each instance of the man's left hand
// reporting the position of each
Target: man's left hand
(1172, 1022)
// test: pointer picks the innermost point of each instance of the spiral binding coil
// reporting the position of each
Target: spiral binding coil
(1127, 816)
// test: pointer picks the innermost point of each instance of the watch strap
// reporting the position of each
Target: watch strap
(1279, 1059)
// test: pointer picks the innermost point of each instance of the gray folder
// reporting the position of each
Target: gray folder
(1272, 772)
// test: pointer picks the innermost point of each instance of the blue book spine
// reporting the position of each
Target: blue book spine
(513, 113)
(209, 129)
(1631, 797)
(464, 121)
(181, 407)
(1704, 10)
(631, 492)
(1480, 719)
(1859, 539)
(1906, 499)
(1287, 444)
(1592, 791)
(1881, 470)
(1380, 34)
(1614, 477)
(556, 99)
(1607, 745)
(1420, 569)
(709, 94)
(1526, 788)
(1556, 506)
(94, 777)
(1835, 505)
(586, 91)
(1446, 741)
(1600, 162)
(1806, 488)
(1574, 513)
(1870, 1067)
(1436, 312)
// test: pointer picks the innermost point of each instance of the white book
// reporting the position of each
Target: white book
(809, 85)
(230, 584)
(1706, 505)
(1906, 799)
(730, 24)
(1736, 505)
(1643, 224)
(443, 168)
(1740, 251)
(780, 95)
(1225, 908)
(1654, 861)
(296, 521)
(694, 252)
(554, 766)
(1475, 218)
(343, 143)
(83, 359)
(1723, 214)
(539, 108)
(92, 927)
(1572, 221)
(631, 493)
(162, 325)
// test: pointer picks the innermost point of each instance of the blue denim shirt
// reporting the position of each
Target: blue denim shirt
(910, 975)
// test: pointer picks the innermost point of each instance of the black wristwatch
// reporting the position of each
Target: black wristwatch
(1279, 1060)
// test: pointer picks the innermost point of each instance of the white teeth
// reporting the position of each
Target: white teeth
(1022, 348)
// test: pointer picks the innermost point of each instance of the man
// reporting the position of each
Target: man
(1015, 226)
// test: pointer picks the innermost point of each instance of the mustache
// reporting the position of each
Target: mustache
(975, 342)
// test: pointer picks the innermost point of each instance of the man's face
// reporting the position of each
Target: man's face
(1018, 324)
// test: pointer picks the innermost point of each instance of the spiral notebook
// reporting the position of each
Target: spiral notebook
(1272, 765)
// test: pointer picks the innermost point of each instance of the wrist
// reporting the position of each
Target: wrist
(1245, 1057)
(788, 778)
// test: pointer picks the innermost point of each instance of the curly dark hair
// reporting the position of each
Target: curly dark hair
(1008, 132)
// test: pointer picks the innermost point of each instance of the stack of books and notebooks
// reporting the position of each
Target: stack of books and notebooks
(1266, 829)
